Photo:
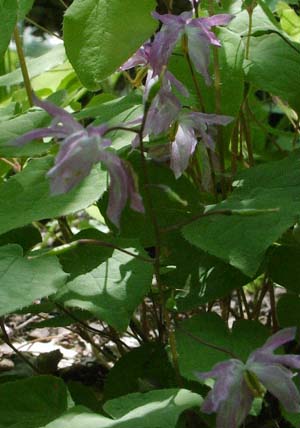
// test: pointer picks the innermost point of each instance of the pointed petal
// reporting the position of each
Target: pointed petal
(141, 57)
(234, 410)
(118, 188)
(164, 109)
(182, 149)
(209, 119)
(178, 85)
(55, 111)
(280, 338)
(278, 380)
(164, 42)
(199, 51)
(37, 134)
(227, 374)
(211, 21)
(73, 163)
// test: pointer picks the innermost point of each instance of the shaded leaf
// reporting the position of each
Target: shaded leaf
(269, 53)
(32, 403)
(112, 291)
(22, 281)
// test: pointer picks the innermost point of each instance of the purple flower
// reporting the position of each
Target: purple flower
(141, 57)
(198, 35)
(191, 125)
(237, 383)
(165, 106)
(81, 148)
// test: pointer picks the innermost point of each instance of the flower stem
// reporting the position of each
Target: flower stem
(250, 15)
(23, 66)
(218, 105)
(154, 221)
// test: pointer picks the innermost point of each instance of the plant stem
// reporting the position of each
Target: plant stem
(247, 135)
(273, 306)
(218, 104)
(63, 4)
(193, 74)
(250, 15)
(40, 27)
(154, 220)
(173, 348)
(23, 66)
(246, 306)
(195, 6)
(74, 244)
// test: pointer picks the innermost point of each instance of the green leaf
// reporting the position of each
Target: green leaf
(85, 258)
(160, 409)
(13, 128)
(145, 366)
(112, 291)
(32, 403)
(201, 278)
(210, 329)
(8, 13)
(26, 196)
(243, 240)
(24, 8)
(260, 22)
(288, 310)
(289, 20)
(22, 281)
(284, 269)
(269, 53)
(36, 66)
(92, 27)
(26, 237)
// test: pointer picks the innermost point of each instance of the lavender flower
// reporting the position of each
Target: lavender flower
(189, 126)
(198, 36)
(81, 148)
(237, 383)
(141, 57)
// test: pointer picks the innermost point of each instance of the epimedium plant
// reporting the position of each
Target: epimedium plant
(151, 189)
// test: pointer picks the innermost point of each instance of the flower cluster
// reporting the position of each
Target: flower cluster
(165, 111)
(80, 149)
(237, 383)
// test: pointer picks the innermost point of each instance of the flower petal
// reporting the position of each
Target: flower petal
(182, 149)
(165, 41)
(35, 135)
(57, 112)
(280, 338)
(199, 51)
(74, 162)
(164, 109)
(278, 380)
(141, 57)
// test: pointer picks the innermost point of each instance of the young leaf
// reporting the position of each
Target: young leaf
(22, 281)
